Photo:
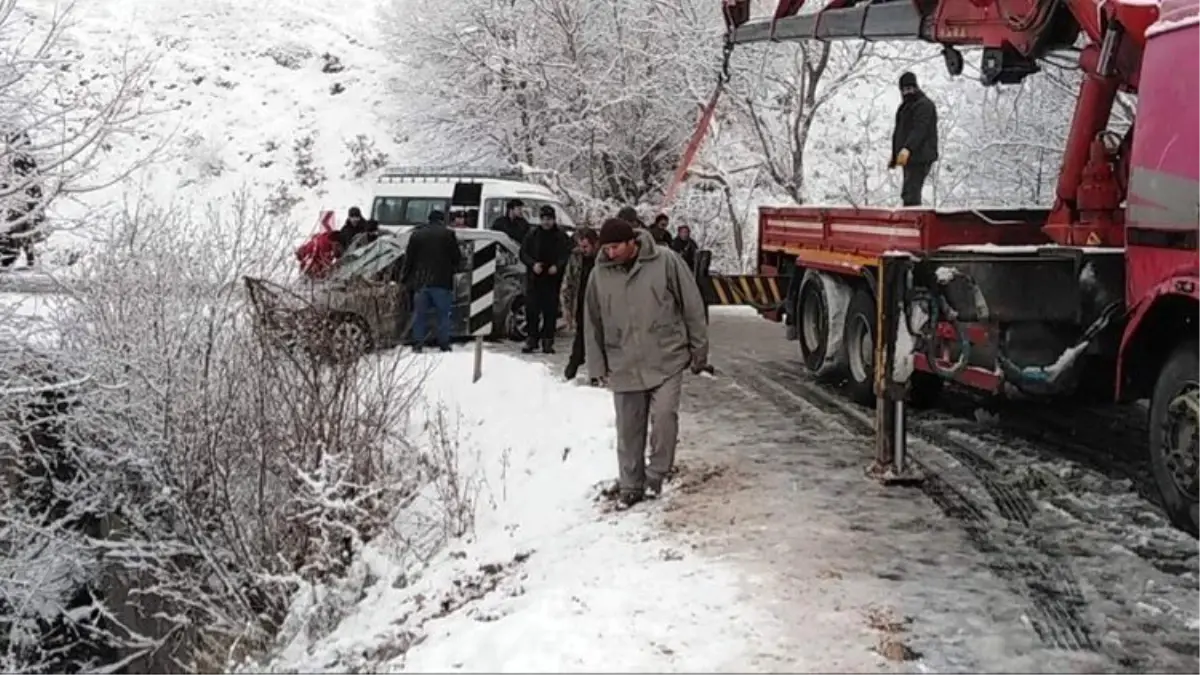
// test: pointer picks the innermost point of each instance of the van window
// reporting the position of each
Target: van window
(493, 209)
(407, 210)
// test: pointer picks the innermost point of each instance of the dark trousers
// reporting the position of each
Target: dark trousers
(542, 309)
(441, 301)
(577, 356)
(914, 181)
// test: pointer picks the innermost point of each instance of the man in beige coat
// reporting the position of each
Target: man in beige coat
(644, 325)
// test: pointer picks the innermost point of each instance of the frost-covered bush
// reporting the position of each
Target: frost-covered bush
(193, 474)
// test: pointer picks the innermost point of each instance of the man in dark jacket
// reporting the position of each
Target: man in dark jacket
(659, 230)
(544, 252)
(589, 244)
(630, 215)
(914, 139)
(513, 221)
(430, 261)
(354, 226)
(685, 246)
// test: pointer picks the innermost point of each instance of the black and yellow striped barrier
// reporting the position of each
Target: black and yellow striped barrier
(761, 292)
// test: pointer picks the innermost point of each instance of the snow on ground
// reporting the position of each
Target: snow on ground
(235, 85)
(546, 582)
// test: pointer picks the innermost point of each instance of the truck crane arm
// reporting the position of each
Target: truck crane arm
(1013, 35)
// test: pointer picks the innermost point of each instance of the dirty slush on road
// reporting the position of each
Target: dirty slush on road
(1025, 550)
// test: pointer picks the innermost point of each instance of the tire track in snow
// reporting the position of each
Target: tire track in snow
(1056, 603)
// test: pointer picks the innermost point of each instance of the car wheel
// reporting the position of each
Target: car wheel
(516, 324)
(859, 343)
(1175, 437)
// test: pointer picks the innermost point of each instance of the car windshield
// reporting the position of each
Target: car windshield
(366, 262)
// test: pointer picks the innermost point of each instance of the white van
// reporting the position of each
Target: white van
(405, 196)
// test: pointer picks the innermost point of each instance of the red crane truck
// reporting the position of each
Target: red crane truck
(1094, 297)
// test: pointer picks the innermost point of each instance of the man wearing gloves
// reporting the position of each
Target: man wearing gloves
(644, 325)
(914, 139)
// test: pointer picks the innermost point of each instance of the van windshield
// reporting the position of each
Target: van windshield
(494, 209)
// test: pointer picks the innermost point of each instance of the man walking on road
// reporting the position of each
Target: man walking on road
(430, 261)
(589, 243)
(544, 252)
(644, 323)
(914, 139)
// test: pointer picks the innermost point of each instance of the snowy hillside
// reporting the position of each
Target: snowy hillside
(267, 94)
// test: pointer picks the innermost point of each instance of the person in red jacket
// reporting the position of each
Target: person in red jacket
(318, 254)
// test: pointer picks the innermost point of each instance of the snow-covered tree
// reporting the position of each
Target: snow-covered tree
(57, 124)
(594, 92)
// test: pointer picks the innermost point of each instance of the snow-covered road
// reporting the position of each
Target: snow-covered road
(771, 552)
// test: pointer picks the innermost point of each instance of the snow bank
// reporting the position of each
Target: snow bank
(545, 583)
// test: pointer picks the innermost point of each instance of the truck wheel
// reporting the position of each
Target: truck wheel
(1175, 437)
(859, 343)
(814, 329)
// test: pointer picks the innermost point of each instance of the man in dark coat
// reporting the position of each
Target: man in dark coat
(513, 221)
(589, 245)
(630, 215)
(659, 230)
(352, 228)
(914, 139)
(544, 252)
(685, 246)
(430, 261)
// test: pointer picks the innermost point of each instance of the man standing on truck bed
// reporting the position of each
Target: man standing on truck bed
(544, 252)
(914, 140)
(644, 323)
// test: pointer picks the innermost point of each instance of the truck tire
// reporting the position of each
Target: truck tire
(814, 329)
(859, 343)
(1174, 429)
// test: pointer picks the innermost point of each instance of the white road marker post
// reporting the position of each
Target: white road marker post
(482, 310)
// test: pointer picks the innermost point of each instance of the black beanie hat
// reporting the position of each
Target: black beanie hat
(355, 212)
(908, 80)
(436, 217)
(546, 211)
(615, 231)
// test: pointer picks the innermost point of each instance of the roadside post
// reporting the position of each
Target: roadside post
(892, 465)
(482, 314)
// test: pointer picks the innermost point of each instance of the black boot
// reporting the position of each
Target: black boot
(547, 346)
(571, 371)
(529, 348)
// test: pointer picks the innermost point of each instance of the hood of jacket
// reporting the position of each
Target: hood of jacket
(647, 250)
